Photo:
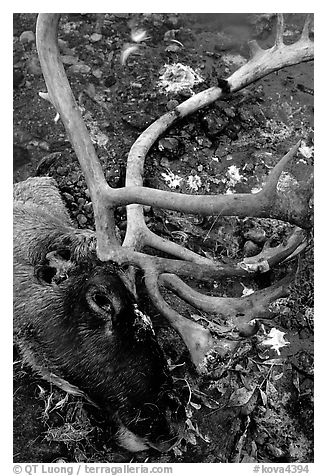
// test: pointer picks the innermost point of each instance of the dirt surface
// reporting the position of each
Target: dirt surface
(260, 405)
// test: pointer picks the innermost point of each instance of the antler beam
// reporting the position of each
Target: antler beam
(291, 206)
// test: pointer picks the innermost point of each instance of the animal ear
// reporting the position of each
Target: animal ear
(45, 274)
(56, 267)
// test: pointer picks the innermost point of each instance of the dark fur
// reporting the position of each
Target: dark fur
(104, 348)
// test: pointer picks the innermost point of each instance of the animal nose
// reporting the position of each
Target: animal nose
(164, 444)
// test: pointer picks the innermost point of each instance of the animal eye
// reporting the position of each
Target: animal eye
(102, 301)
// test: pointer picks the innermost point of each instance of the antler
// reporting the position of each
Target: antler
(270, 202)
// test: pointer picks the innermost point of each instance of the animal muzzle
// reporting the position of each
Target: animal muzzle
(160, 426)
(164, 443)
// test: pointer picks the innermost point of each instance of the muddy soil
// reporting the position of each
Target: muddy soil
(260, 405)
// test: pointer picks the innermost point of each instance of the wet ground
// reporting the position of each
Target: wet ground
(228, 147)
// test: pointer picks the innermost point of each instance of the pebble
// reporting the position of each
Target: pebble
(97, 73)
(95, 37)
(68, 197)
(229, 112)
(33, 66)
(79, 68)
(164, 162)
(275, 451)
(61, 171)
(110, 81)
(88, 207)
(257, 235)
(172, 104)
(27, 37)
(138, 119)
(204, 141)
(214, 125)
(172, 48)
(250, 249)
(168, 143)
(245, 116)
(82, 220)
(62, 44)
(69, 59)
(261, 438)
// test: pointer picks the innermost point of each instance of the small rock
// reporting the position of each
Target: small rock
(250, 249)
(27, 37)
(229, 112)
(69, 59)
(171, 147)
(33, 66)
(245, 116)
(61, 171)
(168, 143)
(88, 207)
(173, 19)
(62, 44)
(164, 162)
(275, 451)
(203, 141)
(81, 202)
(68, 197)
(214, 124)
(249, 167)
(82, 220)
(172, 104)
(257, 235)
(95, 37)
(110, 81)
(172, 48)
(261, 438)
(138, 120)
(79, 68)
(43, 145)
(97, 73)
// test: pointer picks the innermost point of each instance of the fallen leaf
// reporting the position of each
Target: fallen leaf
(240, 397)
(275, 340)
(127, 50)
(263, 397)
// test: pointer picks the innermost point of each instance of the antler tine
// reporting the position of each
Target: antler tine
(270, 186)
(306, 26)
(280, 30)
(237, 311)
(197, 339)
(270, 256)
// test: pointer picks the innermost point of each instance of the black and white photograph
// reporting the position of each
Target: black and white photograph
(163, 282)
